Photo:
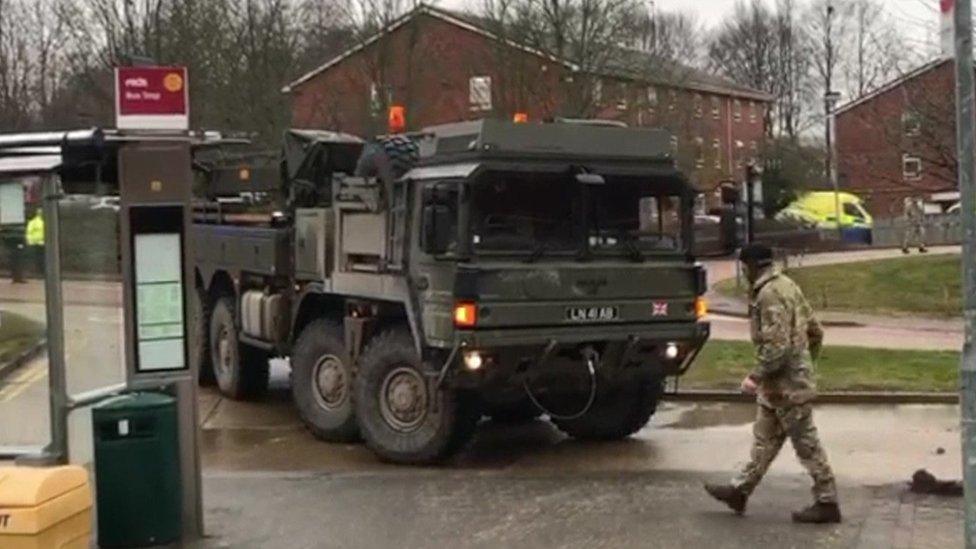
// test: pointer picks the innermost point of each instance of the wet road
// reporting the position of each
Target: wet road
(267, 480)
(867, 444)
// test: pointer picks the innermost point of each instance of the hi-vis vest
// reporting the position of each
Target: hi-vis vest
(35, 231)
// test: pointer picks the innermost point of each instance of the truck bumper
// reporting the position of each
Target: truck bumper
(663, 332)
(625, 349)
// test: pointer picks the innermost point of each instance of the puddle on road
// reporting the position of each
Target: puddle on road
(701, 416)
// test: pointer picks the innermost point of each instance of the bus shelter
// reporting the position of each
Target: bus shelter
(101, 310)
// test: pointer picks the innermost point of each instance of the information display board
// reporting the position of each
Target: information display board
(158, 287)
(12, 203)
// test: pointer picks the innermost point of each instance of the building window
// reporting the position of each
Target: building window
(911, 123)
(699, 152)
(699, 109)
(597, 91)
(717, 148)
(375, 104)
(911, 167)
(622, 93)
(752, 112)
(479, 92)
(716, 107)
(737, 110)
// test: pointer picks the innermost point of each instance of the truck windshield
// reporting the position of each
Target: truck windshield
(552, 213)
(524, 212)
(634, 214)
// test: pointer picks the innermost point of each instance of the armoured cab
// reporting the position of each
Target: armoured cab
(535, 236)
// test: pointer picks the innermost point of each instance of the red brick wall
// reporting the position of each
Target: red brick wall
(871, 142)
(740, 138)
(427, 64)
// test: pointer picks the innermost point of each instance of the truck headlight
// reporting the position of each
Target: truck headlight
(473, 360)
(671, 351)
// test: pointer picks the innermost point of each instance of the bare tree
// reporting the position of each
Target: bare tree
(872, 49)
(746, 49)
(792, 66)
(673, 35)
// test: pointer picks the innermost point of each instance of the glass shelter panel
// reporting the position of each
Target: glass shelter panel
(24, 417)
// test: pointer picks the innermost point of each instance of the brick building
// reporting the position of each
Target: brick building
(444, 66)
(900, 140)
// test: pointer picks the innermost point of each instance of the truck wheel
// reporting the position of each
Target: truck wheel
(199, 308)
(402, 417)
(513, 414)
(616, 414)
(322, 383)
(241, 370)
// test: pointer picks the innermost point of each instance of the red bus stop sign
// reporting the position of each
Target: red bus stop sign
(152, 98)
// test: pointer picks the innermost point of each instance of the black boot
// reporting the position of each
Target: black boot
(818, 513)
(729, 495)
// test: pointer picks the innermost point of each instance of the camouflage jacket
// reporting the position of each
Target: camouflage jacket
(787, 337)
(914, 210)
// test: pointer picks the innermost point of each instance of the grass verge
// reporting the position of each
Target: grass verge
(723, 364)
(915, 285)
(17, 334)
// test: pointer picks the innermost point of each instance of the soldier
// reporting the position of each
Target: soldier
(915, 228)
(788, 340)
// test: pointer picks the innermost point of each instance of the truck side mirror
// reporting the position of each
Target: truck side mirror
(437, 229)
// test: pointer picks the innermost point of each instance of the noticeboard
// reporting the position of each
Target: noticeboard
(158, 286)
(12, 203)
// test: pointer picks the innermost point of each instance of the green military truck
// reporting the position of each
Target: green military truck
(418, 283)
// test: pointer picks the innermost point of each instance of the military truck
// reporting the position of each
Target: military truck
(418, 283)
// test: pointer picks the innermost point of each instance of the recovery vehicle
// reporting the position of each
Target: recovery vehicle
(420, 282)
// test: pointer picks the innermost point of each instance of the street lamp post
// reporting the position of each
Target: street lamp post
(966, 154)
(830, 103)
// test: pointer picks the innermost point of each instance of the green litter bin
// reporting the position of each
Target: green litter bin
(137, 470)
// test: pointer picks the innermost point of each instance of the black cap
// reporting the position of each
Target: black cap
(756, 253)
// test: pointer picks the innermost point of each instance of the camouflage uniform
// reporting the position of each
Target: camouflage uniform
(915, 229)
(787, 338)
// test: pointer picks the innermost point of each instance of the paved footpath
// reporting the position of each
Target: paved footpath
(890, 332)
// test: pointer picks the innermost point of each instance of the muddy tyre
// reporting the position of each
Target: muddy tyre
(322, 383)
(200, 353)
(241, 371)
(616, 414)
(402, 416)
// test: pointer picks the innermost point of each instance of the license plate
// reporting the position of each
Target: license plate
(591, 314)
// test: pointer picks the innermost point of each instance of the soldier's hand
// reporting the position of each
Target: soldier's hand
(749, 386)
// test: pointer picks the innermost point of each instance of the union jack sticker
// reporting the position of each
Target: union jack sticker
(660, 308)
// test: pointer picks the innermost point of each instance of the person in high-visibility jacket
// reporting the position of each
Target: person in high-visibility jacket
(34, 236)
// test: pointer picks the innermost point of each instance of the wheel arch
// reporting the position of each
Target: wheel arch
(313, 303)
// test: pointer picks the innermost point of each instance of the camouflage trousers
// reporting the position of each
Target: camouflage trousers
(914, 236)
(773, 426)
